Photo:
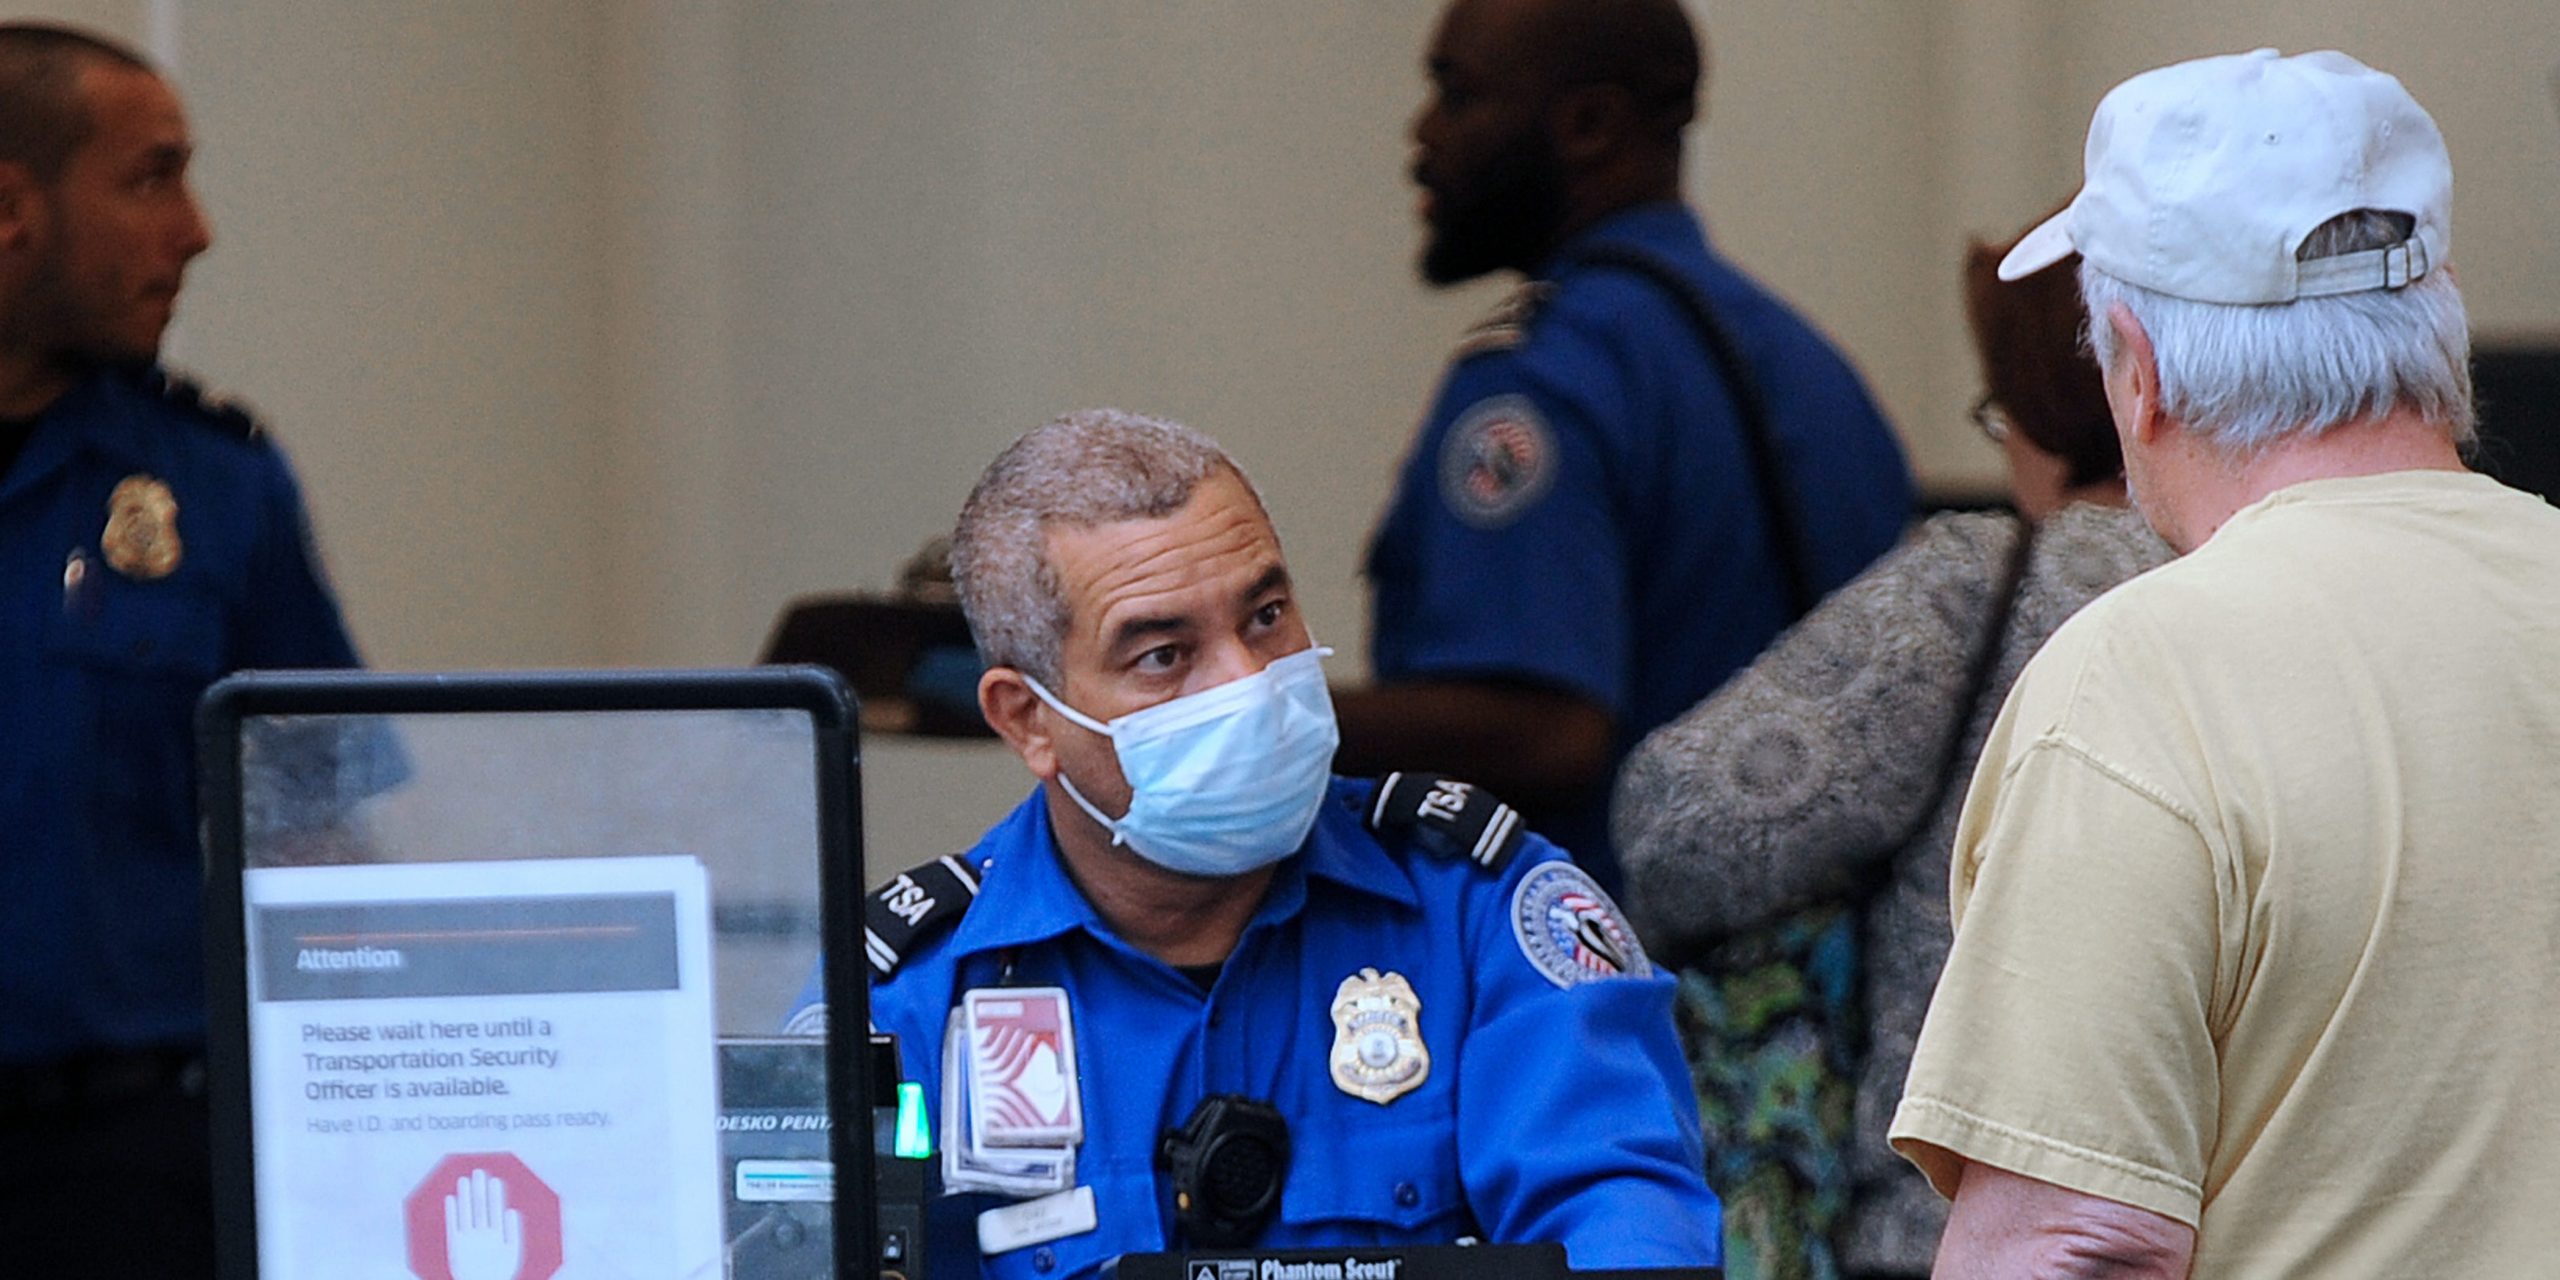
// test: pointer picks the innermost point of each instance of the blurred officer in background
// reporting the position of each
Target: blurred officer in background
(1637, 471)
(150, 542)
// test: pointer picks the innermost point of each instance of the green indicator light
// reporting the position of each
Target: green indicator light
(915, 1139)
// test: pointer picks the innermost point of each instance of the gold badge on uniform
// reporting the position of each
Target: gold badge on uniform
(141, 540)
(1377, 1037)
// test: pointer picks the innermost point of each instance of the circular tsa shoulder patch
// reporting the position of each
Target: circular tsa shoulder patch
(1498, 459)
(1571, 931)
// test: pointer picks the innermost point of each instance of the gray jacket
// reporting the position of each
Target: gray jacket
(1820, 773)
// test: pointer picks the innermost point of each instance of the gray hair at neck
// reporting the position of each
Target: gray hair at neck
(2244, 378)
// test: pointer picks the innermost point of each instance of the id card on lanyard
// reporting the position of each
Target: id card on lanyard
(1023, 1090)
(1012, 1103)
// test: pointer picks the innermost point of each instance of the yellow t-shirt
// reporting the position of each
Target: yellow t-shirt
(2257, 895)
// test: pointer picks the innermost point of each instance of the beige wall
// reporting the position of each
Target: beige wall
(407, 280)
(129, 20)
(947, 228)
(601, 328)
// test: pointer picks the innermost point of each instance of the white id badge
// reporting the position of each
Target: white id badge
(967, 1165)
(1023, 1090)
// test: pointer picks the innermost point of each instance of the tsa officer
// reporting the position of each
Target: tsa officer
(1191, 939)
(1637, 471)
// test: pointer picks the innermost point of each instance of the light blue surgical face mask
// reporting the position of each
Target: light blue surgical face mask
(1224, 780)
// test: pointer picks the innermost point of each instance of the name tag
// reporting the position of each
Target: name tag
(1051, 1217)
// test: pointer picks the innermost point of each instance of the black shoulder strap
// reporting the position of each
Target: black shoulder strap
(1448, 819)
(913, 907)
(1979, 674)
(1750, 408)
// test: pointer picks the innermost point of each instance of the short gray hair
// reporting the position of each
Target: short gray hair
(1097, 466)
(2244, 377)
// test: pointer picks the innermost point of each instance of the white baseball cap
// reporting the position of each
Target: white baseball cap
(2203, 178)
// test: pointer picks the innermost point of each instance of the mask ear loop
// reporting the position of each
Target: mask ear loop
(1109, 823)
(1060, 706)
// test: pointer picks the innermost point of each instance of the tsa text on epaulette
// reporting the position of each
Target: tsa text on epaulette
(1446, 818)
(915, 906)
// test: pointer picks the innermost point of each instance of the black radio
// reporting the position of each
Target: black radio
(1228, 1161)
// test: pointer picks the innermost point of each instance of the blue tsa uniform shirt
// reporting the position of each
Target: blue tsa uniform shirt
(150, 543)
(1580, 511)
(1463, 1035)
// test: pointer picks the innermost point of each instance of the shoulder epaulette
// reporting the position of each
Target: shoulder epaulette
(1507, 325)
(1446, 818)
(913, 907)
(225, 414)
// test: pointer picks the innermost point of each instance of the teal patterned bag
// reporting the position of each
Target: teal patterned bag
(1772, 1031)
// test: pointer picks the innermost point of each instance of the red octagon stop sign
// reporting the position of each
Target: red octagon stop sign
(463, 1227)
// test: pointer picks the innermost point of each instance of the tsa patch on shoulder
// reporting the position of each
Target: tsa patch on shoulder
(1499, 459)
(1571, 931)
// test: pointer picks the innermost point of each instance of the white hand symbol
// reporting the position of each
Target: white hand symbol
(483, 1238)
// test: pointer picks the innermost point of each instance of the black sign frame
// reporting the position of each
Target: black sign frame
(239, 699)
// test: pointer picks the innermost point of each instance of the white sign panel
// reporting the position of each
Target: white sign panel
(484, 1070)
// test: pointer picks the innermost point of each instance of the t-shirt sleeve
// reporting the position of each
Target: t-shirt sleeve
(2070, 1039)
(1503, 557)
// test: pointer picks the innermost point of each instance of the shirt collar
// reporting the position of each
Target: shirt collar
(82, 420)
(1343, 852)
(1664, 226)
(1019, 868)
(1017, 862)
(2382, 487)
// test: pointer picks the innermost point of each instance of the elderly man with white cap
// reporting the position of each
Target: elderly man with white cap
(2257, 892)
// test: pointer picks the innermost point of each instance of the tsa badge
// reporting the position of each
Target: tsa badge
(1571, 931)
(1378, 1052)
(141, 540)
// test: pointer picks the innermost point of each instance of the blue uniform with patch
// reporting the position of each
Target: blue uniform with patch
(1579, 511)
(100, 872)
(1555, 1106)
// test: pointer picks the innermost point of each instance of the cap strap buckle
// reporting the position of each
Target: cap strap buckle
(2392, 268)
(2398, 269)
